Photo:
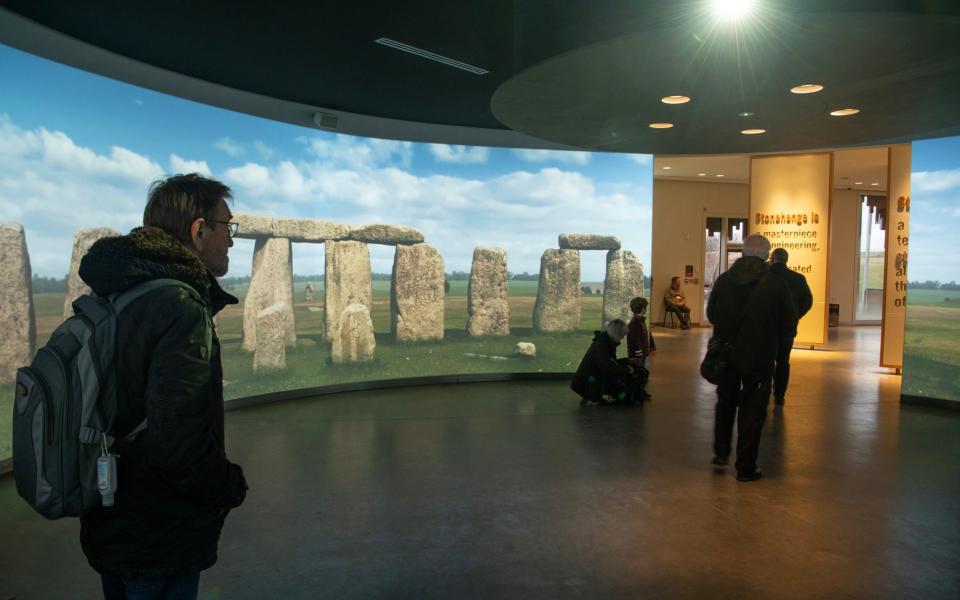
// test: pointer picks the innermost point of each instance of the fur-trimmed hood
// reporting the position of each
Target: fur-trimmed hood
(114, 264)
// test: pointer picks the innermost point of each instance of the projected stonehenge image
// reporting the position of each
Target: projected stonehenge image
(287, 335)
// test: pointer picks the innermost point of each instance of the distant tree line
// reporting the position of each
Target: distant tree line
(47, 285)
(934, 285)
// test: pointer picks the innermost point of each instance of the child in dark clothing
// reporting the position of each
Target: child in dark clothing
(638, 337)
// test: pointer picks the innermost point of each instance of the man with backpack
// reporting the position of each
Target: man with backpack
(752, 312)
(802, 301)
(175, 485)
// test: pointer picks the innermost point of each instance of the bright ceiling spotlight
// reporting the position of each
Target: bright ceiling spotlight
(661, 125)
(731, 10)
(719, 174)
(844, 112)
(807, 88)
(701, 174)
(667, 168)
(875, 183)
(753, 131)
(675, 99)
(857, 183)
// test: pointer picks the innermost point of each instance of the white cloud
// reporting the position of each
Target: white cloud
(180, 165)
(357, 153)
(641, 159)
(263, 150)
(935, 181)
(254, 178)
(232, 148)
(573, 157)
(462, 155)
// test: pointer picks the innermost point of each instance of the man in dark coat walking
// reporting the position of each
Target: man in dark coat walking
(175, 484)
(753, 312)
(802, 301)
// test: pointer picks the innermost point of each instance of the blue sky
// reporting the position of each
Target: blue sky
(79, 150)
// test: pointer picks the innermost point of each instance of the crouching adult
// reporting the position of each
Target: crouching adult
(602, 374)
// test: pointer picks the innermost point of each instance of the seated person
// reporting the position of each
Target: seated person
(602, 373)
(675, 302)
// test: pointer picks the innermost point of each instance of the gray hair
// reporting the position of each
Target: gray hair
(756, 245)
(779, 255)
(617, 328)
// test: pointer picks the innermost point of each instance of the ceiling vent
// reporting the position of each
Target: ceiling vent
(431, 56)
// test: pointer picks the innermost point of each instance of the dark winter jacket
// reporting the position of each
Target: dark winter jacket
(175, 484)
(761, 306)
(601, 362)
(638, 337)
(799, 290)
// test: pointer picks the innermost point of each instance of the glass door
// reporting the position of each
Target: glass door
(870, 259)
(723, 245)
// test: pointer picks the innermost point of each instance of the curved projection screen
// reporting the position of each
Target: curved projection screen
(931, 354)
(79, 151)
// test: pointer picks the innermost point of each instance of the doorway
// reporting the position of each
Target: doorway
(870, 260)
(723, 245)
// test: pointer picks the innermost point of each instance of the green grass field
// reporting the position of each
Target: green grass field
(931, 358)
(308, 364)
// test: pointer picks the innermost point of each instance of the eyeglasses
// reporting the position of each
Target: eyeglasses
(234, 227)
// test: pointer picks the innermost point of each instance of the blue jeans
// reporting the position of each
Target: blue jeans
(173, 588)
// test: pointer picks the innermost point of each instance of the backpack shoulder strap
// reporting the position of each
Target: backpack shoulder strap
(123, 299)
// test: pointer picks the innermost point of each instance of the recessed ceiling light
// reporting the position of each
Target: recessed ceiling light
(731, 10)
(701, 174)
(745, 113)
(807, 88)
(661, 125)
(753, 131)
(667, 168)
(875, 183)
(844, 112)
(675, 99)
(857, 183)
(719, 174)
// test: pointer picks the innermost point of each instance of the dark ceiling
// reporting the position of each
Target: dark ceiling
(585, 74)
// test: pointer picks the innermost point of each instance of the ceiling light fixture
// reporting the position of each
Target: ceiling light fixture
(731, 10)
(745, 113)
(753, 131)
(857, 183)
(719, 174)
(675, 99)
(807, 88)
(844, 112)
(661, 125)
(430, 56)
(875, 183)
(701, 174)
(667, 168)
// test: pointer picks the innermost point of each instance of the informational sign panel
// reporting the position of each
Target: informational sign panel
(895, 257)
(790, 206)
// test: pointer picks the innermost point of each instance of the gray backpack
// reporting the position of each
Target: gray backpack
(66, 403)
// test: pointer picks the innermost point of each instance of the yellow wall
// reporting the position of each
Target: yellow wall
(790, 205)
(679, 208)
(895, 273)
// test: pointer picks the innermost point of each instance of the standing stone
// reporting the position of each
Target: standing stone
(488, 311)
(271, 281)
(19, 339)
(82, 241)
(346, 280)
(416, 294)
(354, 341)
(558, 295)
(308, 292)
(623, 283)
(271, 346)
(525, 350)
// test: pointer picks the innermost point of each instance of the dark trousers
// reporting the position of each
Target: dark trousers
(185, 587)
(781, 375)
(682, 312)
(750, 396)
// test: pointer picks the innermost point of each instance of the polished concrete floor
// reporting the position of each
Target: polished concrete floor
(511, 490)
